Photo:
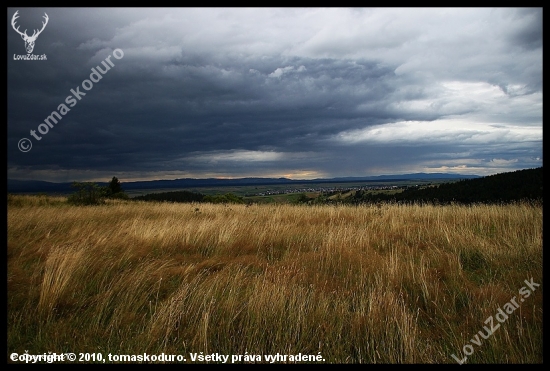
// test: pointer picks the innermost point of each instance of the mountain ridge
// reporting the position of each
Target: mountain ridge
(16, 185)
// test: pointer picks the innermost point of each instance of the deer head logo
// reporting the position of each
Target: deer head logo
(29, 40)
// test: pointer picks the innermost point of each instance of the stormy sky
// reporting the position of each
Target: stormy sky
(279, 92)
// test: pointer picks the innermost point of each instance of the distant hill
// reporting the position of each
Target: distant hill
(36, 186)
(30, 186)
(414, 176)
(504, 187)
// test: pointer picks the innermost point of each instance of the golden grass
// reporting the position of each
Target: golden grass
(389, 284)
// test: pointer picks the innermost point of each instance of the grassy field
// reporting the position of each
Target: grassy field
(369, 284)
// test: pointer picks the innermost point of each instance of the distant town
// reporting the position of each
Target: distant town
(325, 190)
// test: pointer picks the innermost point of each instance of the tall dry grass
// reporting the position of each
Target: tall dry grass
(389, 284)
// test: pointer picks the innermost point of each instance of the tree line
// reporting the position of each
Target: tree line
(188, 196)
(89, 193)
(520, 185)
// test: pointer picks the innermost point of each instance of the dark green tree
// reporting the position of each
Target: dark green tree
(114, 190)
(114, 186)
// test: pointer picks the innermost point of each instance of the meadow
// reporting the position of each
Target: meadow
(380, 283)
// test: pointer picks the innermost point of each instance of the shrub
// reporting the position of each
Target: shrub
(119, 196)
(87, 194)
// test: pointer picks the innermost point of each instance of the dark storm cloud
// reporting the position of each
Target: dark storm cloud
(526, 32)
(241, 92)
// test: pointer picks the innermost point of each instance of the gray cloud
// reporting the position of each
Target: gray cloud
(271, 92)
